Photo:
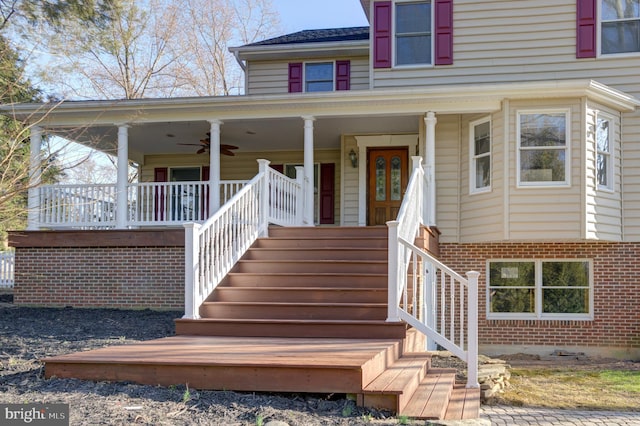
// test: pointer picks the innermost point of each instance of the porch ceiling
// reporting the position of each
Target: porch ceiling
(252, 135)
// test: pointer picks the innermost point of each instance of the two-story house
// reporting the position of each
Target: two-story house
(524, 114)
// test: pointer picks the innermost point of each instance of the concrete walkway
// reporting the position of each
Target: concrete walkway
(505, 415)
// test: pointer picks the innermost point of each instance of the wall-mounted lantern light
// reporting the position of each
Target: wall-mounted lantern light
(354, 158)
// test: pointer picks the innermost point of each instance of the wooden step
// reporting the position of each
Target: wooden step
(463, 404)
(301, 279)
(322, 242)
(316, 254)
(318, 311)
(329, 231)
(311, 266)
(299, 294)
(393, 389)
(431, 398)
(354, 329)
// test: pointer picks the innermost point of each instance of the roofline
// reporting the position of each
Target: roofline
(440, 99)
(242, 52)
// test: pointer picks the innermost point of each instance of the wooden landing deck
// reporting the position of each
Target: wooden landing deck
(244, 364)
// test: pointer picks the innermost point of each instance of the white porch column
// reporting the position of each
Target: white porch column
(35, 175)
(214, 166)
(430, 163)
(122, 177)
(308, 170)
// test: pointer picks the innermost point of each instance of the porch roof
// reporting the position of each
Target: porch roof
(269, 122)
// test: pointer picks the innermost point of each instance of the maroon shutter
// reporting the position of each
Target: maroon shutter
(586, 20)
(382, 34)
(327, 193)
(295, 77)
(160, 174)
(278, 167)
(204, 202)
(343, 75)
(443, 26)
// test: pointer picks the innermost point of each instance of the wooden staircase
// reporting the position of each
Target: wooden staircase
(303, 311)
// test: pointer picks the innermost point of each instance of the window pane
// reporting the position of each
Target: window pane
(565, 274)
(512, 274)
(322, 71)
(619, 37)
(319, 86)
(603, 170)
(482, 138)
(396, 178)
(381, 179)
(539, 165)
(483, 172)
(617, 9)
(602, 135)
(413, 50)
(565, 301)
(513, 300)
(537, 130)
(413, 18)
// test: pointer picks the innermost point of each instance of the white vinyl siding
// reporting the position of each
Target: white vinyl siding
(272, 77)
(448, 176)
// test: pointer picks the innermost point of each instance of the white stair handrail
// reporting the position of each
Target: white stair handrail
(213, 248)
(442, 304)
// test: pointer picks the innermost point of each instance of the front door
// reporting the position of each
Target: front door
(388, 179)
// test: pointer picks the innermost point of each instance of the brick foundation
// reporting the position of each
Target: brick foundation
(100, 269)
(616, 322)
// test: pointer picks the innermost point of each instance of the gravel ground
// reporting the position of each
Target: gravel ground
(29, 334)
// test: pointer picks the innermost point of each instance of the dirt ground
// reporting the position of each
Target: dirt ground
(29, 334)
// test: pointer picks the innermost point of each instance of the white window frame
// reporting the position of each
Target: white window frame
(611, 156)
(394, 32)
(333, 75)
(567, 148)
(599, 35)
(538, 314)
(473, 157)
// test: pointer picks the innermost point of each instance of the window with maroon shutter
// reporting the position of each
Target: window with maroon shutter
(382, 34)
(443, 25)
(295, 77)
(343, 75)
(586, 18)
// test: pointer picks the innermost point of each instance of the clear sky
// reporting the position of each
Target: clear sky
(299, 15)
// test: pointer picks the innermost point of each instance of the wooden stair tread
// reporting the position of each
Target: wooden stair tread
(431, 398)
(292, 304)
(285, 321)
(396, 377)
(463, 404)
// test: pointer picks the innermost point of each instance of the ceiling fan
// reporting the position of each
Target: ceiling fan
(205, 144)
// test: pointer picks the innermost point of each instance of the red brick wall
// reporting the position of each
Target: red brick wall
(616, 293)
(105, 277)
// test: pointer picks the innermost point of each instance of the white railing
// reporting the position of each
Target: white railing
(7, 267)
(78, 205)
(213, 248)
(148, 204)
(424, 292)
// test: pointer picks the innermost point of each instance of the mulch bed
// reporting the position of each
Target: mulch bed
(29, 334)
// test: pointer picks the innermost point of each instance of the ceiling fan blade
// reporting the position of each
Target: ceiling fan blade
(225, 146)
(227, 152)
(189, 144)
(201, 151)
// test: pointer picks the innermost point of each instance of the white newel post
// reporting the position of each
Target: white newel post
(393, 314)
(214, 167)
(35, 175)
(472, 331)
(122, 177)
(263, 170)
(300, 196)
(430, 162)
(191, 271)
(308, 171)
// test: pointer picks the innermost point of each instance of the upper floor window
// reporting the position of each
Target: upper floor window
(480, 154)
(604, 169)
(413, 33)
(543, 148)
(542, 289)
(318, 77)
(620, 26)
